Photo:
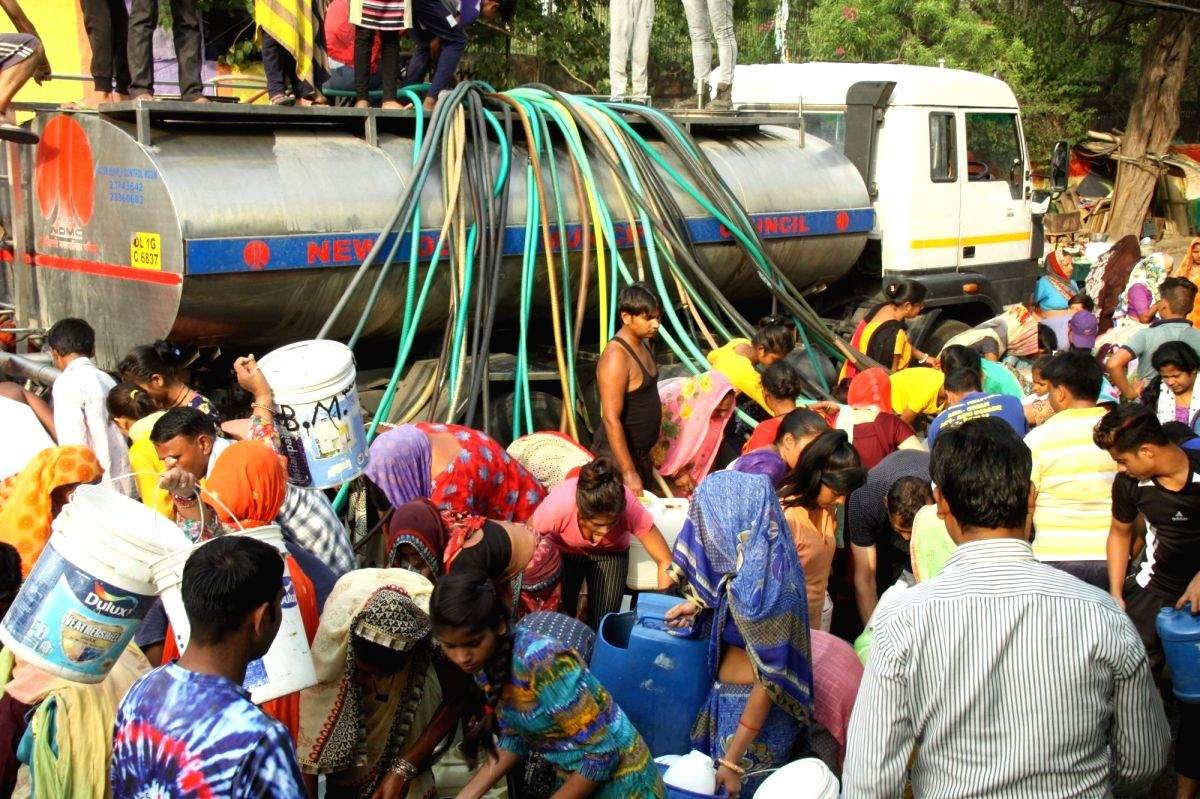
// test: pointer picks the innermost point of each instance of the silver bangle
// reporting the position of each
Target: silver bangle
(404, 769)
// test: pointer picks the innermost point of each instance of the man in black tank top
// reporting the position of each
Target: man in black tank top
(630, 409)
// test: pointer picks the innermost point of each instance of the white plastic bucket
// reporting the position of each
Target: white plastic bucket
(287, 667)
(319, 420)
(91, 586)
(809, 778)
(669, 515)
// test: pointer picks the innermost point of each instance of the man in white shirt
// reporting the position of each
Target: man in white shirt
(79, 395)
(1015, 678)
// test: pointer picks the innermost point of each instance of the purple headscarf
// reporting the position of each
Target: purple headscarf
(400, 463)
(762, 461)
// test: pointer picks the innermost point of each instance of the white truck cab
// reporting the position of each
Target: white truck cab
(944, 159)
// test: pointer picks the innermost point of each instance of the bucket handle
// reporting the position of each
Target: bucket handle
(200, 494)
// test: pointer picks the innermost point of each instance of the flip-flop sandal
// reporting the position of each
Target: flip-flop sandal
(18, 134)
(316, 98)
(283, 100)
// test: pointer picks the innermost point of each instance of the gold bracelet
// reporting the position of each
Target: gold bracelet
(738, 770)
(262, 407)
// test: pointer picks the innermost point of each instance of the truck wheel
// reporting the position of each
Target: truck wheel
(945, 330)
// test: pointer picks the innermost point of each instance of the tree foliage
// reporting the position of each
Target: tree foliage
(1072, 65)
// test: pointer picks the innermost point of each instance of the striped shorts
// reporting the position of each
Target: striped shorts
(15, 48)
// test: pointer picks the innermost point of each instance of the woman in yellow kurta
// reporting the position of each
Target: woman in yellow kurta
(740, 359)
(883, 334)
(1189, 267)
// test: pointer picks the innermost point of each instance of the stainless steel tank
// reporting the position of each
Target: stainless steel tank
(226, 224)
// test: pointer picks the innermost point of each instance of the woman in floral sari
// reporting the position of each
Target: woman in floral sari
(695, 413)
(734, 559)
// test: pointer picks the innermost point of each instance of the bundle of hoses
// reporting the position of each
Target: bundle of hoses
(471, 122)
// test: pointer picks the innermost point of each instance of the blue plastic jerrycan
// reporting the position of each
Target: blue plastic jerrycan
(658, 678)
(1179, 632)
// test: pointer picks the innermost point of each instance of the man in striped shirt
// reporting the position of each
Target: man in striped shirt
(1072, 476)
(1014, 678)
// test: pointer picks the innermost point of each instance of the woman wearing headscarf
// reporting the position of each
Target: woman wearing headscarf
(426, 539)
(32, 498)
(1189, 267)
(245, 490)
(734, 560)
(1053, 291)
(460, 469)
(696, 411)
(869, 423)
(384, 699)
(550, 456)
(1107, 279)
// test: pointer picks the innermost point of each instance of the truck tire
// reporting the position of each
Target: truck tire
(946, 329)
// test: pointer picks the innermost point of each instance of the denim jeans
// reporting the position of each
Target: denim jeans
(629, 23)
(707, 19)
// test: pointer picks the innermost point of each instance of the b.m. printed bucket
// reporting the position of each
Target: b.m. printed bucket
(287, 667)
(90, 588)
(320, 421)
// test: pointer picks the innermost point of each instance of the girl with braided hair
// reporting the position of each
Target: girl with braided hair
(540, 699)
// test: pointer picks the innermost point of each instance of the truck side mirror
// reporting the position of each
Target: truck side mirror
(1060, 157)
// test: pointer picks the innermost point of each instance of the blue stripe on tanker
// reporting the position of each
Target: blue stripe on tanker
(318, 250)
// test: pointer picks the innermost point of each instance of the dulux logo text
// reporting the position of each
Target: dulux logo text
(104, 602)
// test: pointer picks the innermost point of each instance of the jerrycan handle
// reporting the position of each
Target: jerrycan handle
(652, 611)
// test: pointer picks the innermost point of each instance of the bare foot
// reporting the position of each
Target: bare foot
(200, 98)
(429, 104)
(391, 105)
(144, 96)
(119, 97)
(362, 103)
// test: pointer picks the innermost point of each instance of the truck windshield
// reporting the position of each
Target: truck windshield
(994, 149)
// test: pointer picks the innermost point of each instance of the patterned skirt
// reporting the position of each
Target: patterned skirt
(773, 747)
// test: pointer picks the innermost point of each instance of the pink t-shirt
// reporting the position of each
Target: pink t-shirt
(558, 517)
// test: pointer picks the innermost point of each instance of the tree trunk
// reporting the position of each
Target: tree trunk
(1153, 120)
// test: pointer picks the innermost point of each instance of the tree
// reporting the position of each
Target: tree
(1153, 119)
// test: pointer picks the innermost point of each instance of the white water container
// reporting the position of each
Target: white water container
(91, 586)
(669, 516)
(809, 778)
(319, 420)
(694, 772)
(287, 667)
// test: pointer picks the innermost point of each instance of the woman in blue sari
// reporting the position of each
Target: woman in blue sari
(737, 567)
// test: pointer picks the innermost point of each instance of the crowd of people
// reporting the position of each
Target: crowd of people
(958, 549)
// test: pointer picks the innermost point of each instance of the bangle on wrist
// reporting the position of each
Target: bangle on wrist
(404, 769)
(183, 502)
(738, 770)
(268, 408)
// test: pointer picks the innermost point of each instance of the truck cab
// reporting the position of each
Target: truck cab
(944, 160)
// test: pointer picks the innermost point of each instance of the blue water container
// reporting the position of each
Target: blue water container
(658, 678)
(1179, 632)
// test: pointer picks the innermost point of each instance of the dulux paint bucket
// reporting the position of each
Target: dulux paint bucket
(287, 667)
(90, 588)
(319, 420)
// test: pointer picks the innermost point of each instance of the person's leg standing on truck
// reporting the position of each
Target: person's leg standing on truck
(630, 23)
(21, 57)
(185, 30)
(706, 19)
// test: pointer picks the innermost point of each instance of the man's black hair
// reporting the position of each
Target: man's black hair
(957, 356)
(72, 337)
(1179, 294)
(1083, 299)
(1128, 427)
(225, 581)
(187, 422)
(907, 496)
(964, 380)
(982, 469)
(1077, 371)
(1178, 433)
(638, 299)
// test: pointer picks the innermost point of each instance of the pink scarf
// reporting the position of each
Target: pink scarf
(691, 428)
